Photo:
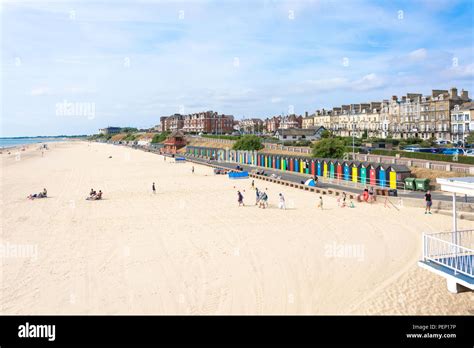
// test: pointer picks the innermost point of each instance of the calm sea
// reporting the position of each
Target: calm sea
(11, 142)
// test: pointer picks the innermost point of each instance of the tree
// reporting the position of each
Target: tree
(470, 138)
(325, 134)
(248, 143)
(329, 148)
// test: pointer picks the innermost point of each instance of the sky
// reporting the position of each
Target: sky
(72, 67)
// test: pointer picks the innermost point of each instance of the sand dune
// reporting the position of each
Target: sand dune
(190, 250)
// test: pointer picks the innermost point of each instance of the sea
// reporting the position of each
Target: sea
(12, 142)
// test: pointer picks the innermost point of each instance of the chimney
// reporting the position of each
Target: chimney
(394, 98)
(453, 93)
(306, 114)
(464, 95)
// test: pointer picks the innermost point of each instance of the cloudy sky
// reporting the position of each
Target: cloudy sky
(126, 63)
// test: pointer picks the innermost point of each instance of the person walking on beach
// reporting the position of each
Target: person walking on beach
(240, 198)
(253, 184)
(153, 188)
(257, 197)
(428, 202)
(320, 204)
(281, 203)
(192, 169)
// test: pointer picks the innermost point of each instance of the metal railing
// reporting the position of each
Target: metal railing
(454, 250)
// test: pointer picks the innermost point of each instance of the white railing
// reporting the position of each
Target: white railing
(451, 250)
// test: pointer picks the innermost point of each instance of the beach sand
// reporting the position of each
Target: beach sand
(189, 248)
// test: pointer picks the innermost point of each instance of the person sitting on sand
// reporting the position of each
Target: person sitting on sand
(98, 196)
(371, 194)
(343, 201)
(351, 204)
(365, 194)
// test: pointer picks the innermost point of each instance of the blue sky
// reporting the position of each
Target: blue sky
(134, 61)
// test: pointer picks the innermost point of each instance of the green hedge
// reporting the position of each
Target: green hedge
(425, 156)
(227, 137)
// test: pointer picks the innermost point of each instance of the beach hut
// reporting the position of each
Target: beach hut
(339, 164)
(372, 175)
(313, 167)
(274, 161)
(325, 168)
(355, 171)
(297, 165)
(396, 175)
(363, 172)
(381, 171)
(332, 169)
(319, 169)
(307, 166)
(347, 170)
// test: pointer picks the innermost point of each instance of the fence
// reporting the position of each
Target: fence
(454, 250)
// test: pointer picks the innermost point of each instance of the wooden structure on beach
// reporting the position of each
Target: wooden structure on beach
(173, 143)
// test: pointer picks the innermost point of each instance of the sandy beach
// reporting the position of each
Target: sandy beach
(189, 248)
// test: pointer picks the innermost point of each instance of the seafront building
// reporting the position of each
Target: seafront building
(442, 115)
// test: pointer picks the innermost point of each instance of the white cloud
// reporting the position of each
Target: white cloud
(418, 54)
(38, 91)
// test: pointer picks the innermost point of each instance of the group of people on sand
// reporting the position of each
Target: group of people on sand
(368, 195)
(94, 196)
(342, 201)
(42, 194)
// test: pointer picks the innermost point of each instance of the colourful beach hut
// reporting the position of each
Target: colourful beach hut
(372, 175)
(296, 166)
(325, 168)
(319, 169)
(397, 174)
(381, 171)
(355, 171)
(347, 170)
(313, 167)
(363, 172)
(339, 171)
(332, 169)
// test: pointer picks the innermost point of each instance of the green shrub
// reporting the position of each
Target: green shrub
(248, 143)
(226, 137)
(158, 138)
(425, 156)
(329, 148)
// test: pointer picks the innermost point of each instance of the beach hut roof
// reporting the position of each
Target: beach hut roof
(399, 168)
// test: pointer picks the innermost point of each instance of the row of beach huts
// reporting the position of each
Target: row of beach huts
(366, 173)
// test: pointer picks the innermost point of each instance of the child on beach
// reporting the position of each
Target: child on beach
(253, 184)
(240, 198)
(153, 188)
(428, 202)
(192, 169)
(281, 203)
(320, 204)
(343, 201)
(257, 195)
(351, 204)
